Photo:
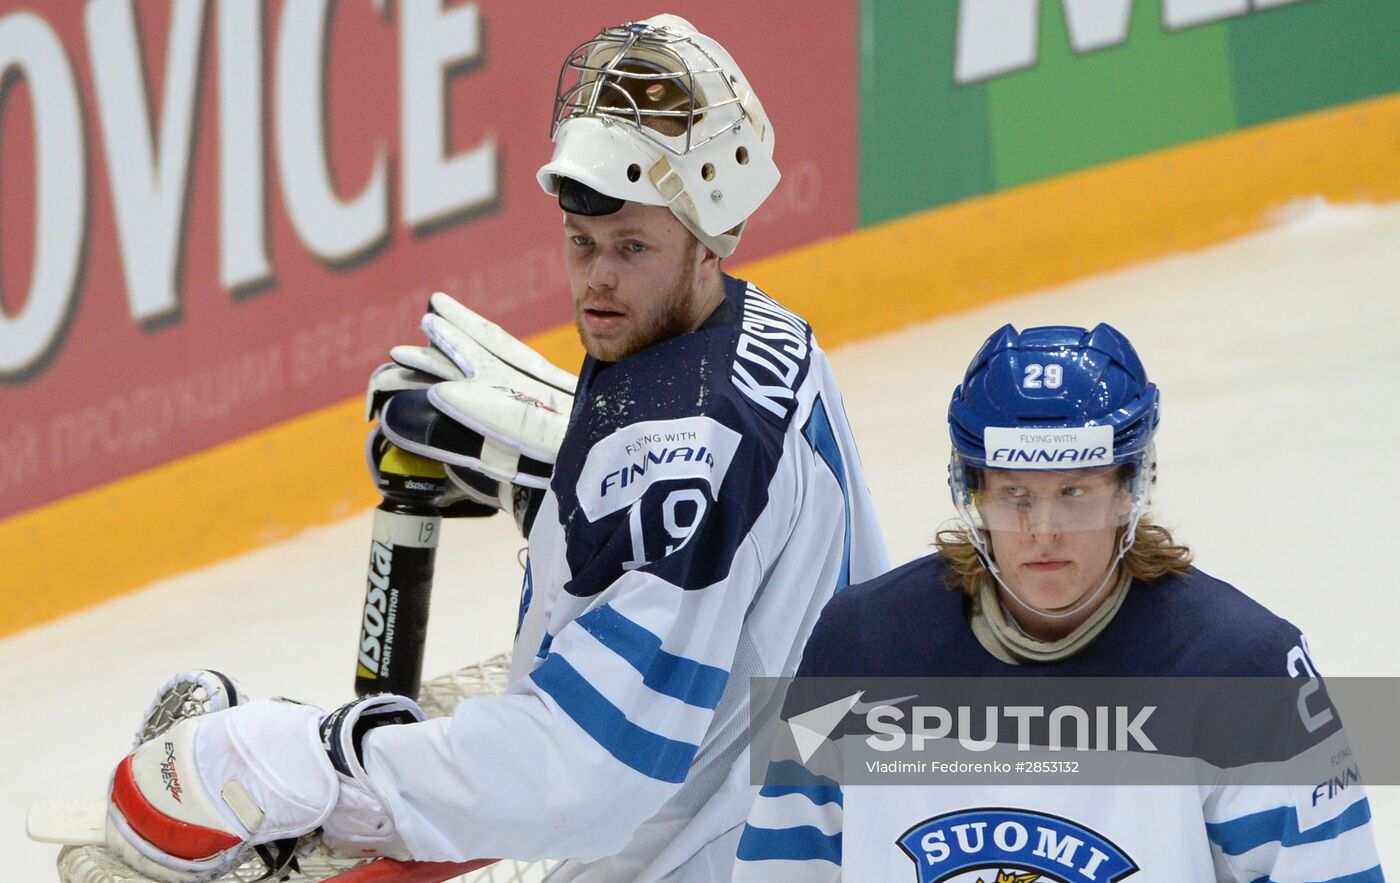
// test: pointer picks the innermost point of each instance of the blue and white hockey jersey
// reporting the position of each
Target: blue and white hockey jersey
(909, 623)
(706, 503)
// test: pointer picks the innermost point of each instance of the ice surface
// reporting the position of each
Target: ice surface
(1278, 362)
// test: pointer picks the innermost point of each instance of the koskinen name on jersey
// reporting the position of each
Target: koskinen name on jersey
(1014, 844)
(768, 357)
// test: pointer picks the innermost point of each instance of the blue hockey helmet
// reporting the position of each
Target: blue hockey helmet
(1059, 399)
(1091, 385)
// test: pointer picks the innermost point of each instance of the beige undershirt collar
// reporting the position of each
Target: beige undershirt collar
(999, 634)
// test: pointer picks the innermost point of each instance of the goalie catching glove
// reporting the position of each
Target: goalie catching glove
(203, 795)
(478, 400)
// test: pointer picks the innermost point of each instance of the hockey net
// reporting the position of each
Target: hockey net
(95, 864)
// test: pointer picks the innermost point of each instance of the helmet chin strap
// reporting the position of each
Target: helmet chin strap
(1088, 601)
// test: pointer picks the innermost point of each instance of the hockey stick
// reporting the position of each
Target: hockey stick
(400, 578)
(399, 582)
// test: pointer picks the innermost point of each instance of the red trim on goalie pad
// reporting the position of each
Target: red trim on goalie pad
(179, 839)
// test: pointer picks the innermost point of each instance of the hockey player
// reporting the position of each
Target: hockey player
(691, 502)
(1055, 570)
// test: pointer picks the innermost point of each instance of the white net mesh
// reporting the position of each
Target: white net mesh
(95, 864)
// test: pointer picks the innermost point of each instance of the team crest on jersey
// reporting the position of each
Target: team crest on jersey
(1011, 846)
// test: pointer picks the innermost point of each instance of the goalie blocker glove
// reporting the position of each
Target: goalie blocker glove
(487, 406)
(388, 382)
(196, 801)
(482, 471)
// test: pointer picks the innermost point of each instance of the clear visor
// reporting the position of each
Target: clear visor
(1048, 501)
(1110, 498)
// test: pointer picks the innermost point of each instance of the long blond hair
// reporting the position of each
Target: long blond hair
(1153, 555)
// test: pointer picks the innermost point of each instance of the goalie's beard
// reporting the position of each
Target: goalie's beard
(651, 319)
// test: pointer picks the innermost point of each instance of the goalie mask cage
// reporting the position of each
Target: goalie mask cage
(96, 864)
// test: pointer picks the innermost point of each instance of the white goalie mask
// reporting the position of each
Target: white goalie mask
(657, 113)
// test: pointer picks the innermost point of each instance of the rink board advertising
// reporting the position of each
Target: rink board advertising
(962, 99)
(241, 206)
(219, 216)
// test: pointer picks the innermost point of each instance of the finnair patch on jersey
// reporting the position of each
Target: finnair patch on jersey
(622, 466)
(1013, 845)
(1323, 802)
(1076, 448)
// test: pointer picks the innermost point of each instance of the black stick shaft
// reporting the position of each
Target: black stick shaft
(398, 589)
(399, 579)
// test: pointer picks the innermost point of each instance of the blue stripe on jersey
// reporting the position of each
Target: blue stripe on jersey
(797, 779)
(1280, 825)
(823, 441)
(527, 593)
(693, 683)
(544, 646)
(800, 844)
(1373, 875)
(646, 752)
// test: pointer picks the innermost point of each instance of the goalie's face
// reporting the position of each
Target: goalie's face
(637, 277)
(1054, 535)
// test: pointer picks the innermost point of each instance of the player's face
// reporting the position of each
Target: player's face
(635, 276)
(1053, 534)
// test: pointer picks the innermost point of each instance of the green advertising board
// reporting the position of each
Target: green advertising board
(964, 98)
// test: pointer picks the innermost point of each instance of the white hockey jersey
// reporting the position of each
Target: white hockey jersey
(910, 623)
(706, 503)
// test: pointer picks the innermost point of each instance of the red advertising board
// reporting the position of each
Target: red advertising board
(216, 216)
